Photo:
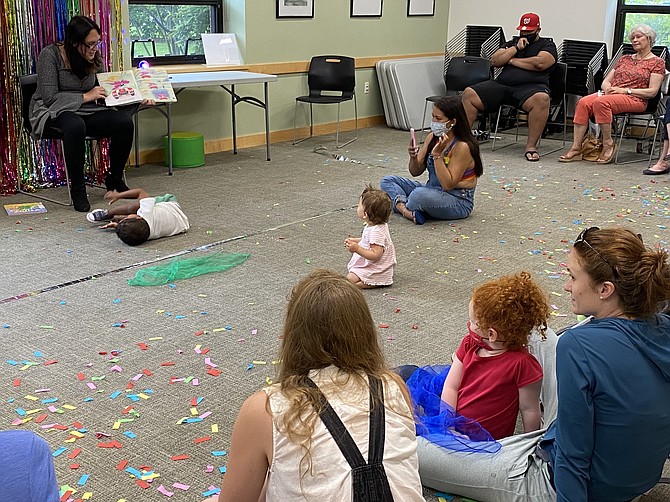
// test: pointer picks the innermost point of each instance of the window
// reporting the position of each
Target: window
(168, 31)
(655, 13)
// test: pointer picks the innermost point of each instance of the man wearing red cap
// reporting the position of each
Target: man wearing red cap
(526, 62)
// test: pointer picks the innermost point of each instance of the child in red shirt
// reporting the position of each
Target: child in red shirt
(493, 376)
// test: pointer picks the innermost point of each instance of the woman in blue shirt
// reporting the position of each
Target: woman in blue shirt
(611, 437)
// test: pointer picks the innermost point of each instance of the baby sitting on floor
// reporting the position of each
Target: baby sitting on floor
(144, 219)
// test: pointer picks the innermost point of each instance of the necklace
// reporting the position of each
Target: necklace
(642, 57)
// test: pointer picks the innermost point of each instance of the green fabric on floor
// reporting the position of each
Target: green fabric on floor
(185, 268)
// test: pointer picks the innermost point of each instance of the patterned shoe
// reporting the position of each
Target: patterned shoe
(97, 215)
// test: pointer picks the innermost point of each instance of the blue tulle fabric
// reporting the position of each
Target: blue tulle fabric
(438, 422)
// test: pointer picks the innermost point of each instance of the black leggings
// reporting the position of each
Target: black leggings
(114, 124)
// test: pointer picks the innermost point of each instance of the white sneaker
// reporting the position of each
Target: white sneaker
(97, 215)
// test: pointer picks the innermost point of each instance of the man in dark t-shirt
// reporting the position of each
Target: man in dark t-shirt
(526, 62)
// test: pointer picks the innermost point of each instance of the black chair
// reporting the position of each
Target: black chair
(653, 114)
(587, 63)
(28, 85)
(461, 73)
(557, 107)
(328, 75)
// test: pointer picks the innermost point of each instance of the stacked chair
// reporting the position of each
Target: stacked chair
(468, 49)
(587, 65)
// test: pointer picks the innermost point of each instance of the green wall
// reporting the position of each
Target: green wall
(264, 39)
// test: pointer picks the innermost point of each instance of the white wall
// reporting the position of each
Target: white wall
(574, 19)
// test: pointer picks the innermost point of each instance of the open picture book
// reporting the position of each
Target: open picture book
(137, 85)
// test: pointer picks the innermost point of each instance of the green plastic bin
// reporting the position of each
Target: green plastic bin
(188, 149)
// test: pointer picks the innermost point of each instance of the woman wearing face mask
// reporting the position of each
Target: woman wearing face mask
(635, 79)
(451, 156)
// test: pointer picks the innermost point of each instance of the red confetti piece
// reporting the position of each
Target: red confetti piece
(74, 453)
(199, 333)
(77, 425)
(194, 401)
(75, 466)
(396, 310)
(213, 372)
(147, 372)
(17, 382)
(142, 346)
(50, 361)
(129, 385)
(127, 409)
(41, 418)
(415, 326)
(121, 465)
(204, 351)
(180, 457)
(142, 484)
(66, 495)
(383, 325)
(167, 363)
(81, 377)
(202, 439)
(60, 427)
(111, 444)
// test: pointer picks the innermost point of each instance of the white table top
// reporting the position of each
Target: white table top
(201, 79)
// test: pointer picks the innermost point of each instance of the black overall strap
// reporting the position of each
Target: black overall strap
(342, 437)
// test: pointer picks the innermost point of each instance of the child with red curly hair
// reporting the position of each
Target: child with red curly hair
(493, 375)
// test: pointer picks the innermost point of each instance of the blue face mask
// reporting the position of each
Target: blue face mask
(439, 128)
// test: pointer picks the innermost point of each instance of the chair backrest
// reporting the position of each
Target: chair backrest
(332, 73)
(558, 78)
(28, 84)
(466, 71)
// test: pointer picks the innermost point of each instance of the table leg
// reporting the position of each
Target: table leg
(233, 100)
(169, 121)
(137, 139)
(267, 121)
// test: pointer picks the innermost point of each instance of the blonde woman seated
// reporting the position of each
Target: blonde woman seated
(635, 79)
(336, 405)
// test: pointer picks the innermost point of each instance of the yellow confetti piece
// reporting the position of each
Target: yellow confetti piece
(154, 338)
(153, 475)
(181, 420)
(276, 361)
(32, 412)
(556, 294)
(194, 412)
(215, 428)
(33, 398)
(258, 362)
(76, 434)
(142, 395)
(116, 425)
(216, 330)
(197, 347)
(202, 296)
(70, 440)
(268, 380)
(160, 311)
(87, 495)
(69, 407)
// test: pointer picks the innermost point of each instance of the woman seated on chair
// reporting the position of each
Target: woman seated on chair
(611, 437)
(635, 79)
(662, 166)
(451, 156)
(69, 104)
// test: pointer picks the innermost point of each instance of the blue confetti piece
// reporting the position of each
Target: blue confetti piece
(62, 302)
(20, 411)
(115, 394)
(82, 480)
(172, 286)
(10, 400)
(211, 492)
(116, 301)
(133, 397)
(223, 469)
(13, 363)
(228, 328)
(50, 400)
(6, 326)
(59, 451)
(219, 453)
(117, 325)
(88, 399)
(129, 434)
(193, 420)
(180, 317)
(134, 472)
(249, 366)
(37, 353)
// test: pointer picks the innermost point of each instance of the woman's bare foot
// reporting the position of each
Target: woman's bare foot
(571, 155)
(416, 216)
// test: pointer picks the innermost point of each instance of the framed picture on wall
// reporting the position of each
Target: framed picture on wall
(366, 8)
(295, 8)
(420, 7)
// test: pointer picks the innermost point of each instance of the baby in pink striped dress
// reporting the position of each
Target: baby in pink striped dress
(373, 254)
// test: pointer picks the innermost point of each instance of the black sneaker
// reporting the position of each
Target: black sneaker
(80, 201)
(97, 215)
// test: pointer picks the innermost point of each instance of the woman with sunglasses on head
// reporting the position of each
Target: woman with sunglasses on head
(69, 103)
(611, 437)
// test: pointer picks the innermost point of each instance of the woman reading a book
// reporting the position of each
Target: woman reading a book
(69, 104)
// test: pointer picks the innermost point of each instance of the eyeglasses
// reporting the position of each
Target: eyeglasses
(93, 45)
(581, 238)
